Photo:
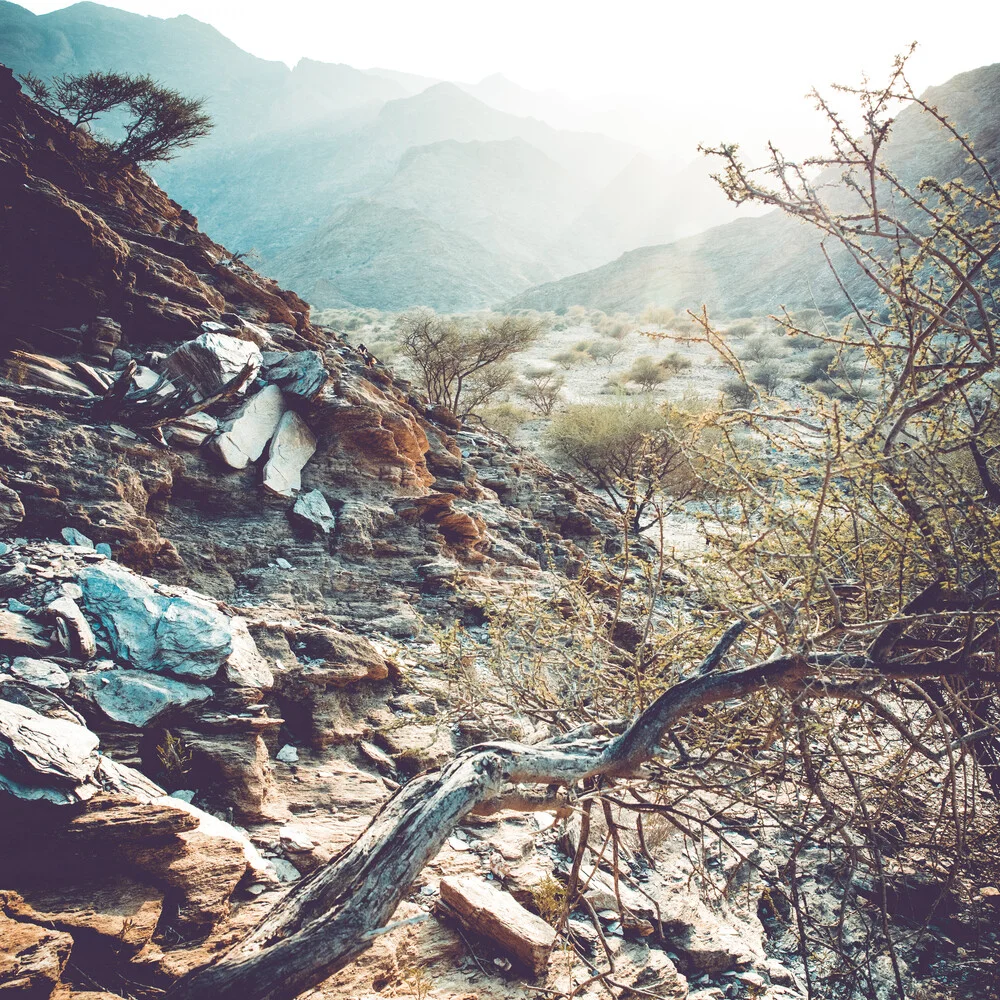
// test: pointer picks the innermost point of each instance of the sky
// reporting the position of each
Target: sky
(722, 69)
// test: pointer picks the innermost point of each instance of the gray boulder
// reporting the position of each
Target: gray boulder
(301, 374)
(246, 433)
(73, 537)
(45, 759)
(177, 634)
(40, 673)
(136, 698)
(210, 361)
(311, 511)
(292, 446)
(73, 630)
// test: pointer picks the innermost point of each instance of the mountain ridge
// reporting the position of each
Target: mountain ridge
(757, 265)
(293, 147)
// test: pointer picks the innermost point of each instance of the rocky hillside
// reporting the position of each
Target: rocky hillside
(225, 536)
(297, 154)
(753, 266)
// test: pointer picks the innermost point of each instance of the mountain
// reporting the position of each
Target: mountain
(753, 266)
(376, 256)
(246, 95)
(648, 202)
(469, 216)
(298, 151)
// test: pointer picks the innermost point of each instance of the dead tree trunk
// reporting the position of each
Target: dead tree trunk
(142, 409)
(333, 915)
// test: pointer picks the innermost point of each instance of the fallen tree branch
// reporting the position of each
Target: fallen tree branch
(325, 921)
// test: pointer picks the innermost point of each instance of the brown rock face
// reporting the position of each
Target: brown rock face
(113, 912)
(32, 958)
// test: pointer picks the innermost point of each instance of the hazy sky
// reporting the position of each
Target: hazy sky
(736, 69)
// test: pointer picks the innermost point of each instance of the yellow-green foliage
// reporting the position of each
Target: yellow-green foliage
(174, 757)
(550, 899)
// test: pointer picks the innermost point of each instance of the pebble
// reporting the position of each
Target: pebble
(287, 754)
(283, 563)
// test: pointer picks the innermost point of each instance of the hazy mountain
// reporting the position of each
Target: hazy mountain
(459, 225)
(386, 257)
(274, 191)
(411, 83)
(757, 265)
(641, 121)
(446, 111)
(249, 98)
(298, 151)
(507, 194)
(646, 203)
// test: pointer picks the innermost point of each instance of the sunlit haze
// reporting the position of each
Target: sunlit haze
(709, 71)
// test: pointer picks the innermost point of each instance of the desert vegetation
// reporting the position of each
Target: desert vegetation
(829, 665)
(144, 122)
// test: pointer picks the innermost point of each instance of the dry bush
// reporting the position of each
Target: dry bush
(634, 451)
(541, 389)
(462, 363)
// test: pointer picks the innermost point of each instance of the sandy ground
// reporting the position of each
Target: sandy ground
(586, 382)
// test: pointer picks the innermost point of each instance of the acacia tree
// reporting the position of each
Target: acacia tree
(461, 364)
(647, 373)
(541, 389)
(634, 452)
(837, 665)
(156, 121)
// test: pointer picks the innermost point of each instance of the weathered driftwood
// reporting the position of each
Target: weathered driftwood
(144, 409)
(328, 918)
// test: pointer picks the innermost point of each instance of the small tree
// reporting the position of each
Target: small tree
(741, 329)
(541, 389)
(760, 347)
(738, 393)
(767, 374)
(646, 373)
(568, 359)
(606, 350)
(157, 121)
(462, 365)
(674, 362)
(635, 453)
